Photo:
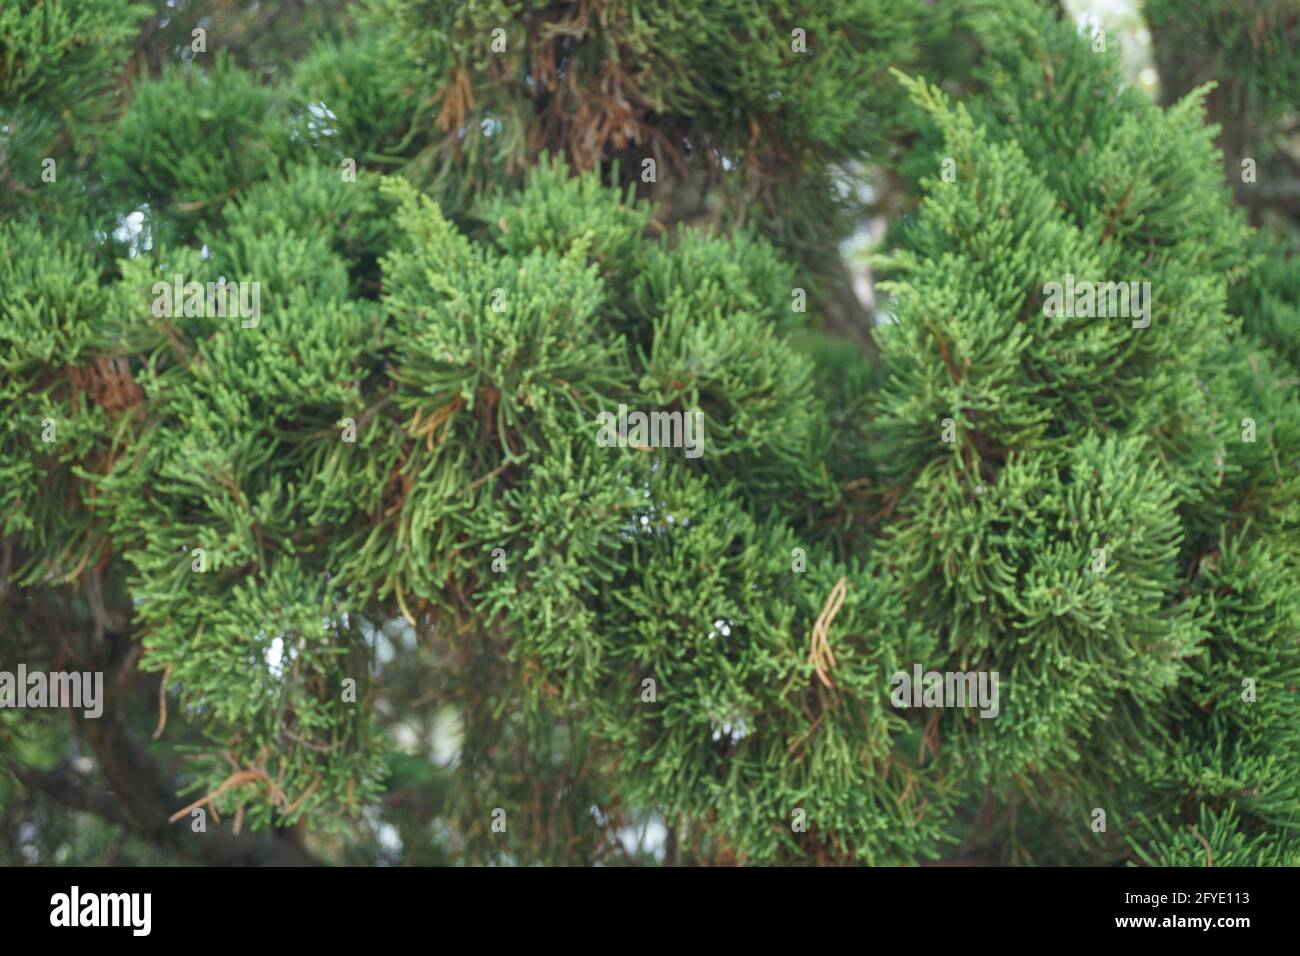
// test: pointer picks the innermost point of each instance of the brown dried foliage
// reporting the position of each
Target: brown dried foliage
(108, 382)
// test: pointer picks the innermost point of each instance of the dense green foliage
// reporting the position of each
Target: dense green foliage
(369, 548)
